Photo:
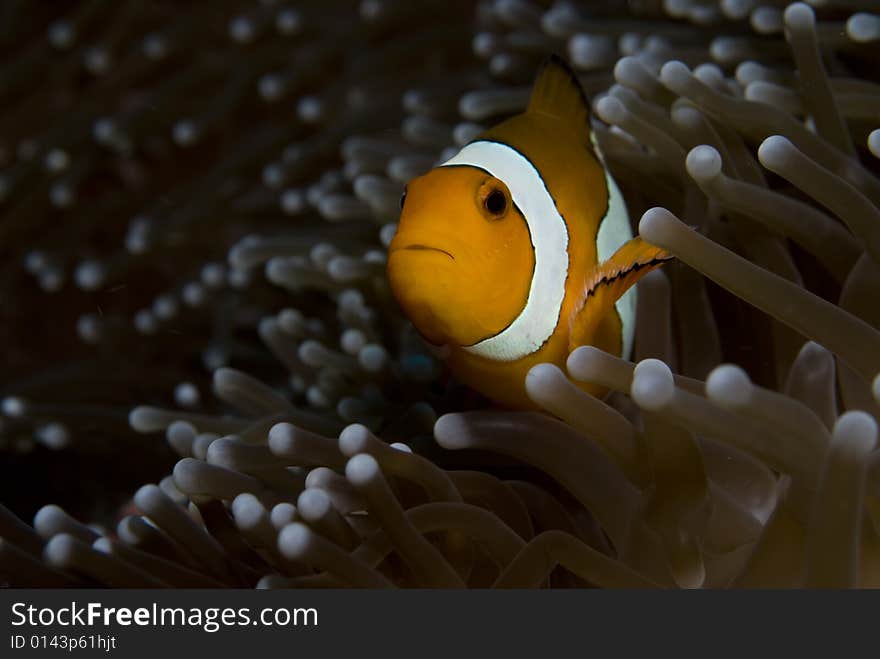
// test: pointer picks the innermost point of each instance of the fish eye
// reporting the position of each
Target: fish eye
(495, 202)
(402, 198)
(493, 199)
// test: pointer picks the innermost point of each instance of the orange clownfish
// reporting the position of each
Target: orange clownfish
(519, 249)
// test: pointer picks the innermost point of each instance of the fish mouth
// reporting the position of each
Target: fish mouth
(416, 247)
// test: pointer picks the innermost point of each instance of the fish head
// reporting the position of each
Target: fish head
(461, 263)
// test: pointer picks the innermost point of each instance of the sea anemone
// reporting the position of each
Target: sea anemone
(194, 211)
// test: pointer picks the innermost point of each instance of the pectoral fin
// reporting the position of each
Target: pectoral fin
(606, 283)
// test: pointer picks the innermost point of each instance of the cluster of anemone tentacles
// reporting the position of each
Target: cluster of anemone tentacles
(199, 199)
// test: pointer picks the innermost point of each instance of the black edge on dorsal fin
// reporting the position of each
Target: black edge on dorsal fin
(557, 92)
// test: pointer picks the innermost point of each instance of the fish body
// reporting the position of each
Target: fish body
(519, 248)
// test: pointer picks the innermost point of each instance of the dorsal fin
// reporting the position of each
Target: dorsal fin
(558, 93)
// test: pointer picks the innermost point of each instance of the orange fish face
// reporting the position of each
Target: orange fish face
(461, 263)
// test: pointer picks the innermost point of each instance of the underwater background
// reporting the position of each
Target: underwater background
(205, 381)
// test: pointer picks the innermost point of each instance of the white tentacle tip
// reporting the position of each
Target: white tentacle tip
(684, 115)
(313, 504)
(703, 163)
(188, 474)
(541, 380)
(874, 142)
(295, 540)
(653, 222)
(60, 550)
(675, 75)
(103, 545)
(362, 469)
(736, 9)
(629, 71)
(353, 439)
(280, 436)
(758, 91)
(766, 20)
(611, 110)
(224, 377)
(799, 16)
(450, 431)
(247, 511)
(653, 386)
(748, 71)
(373, 358)
(863, 27)
(148, 497)
(774, 151)
(709, 74)
(13, 407)
(141, 419)
(729, 386)
(584, 363)
(47, 519)
(858, 429)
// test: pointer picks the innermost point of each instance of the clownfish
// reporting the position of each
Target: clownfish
(519, 248)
